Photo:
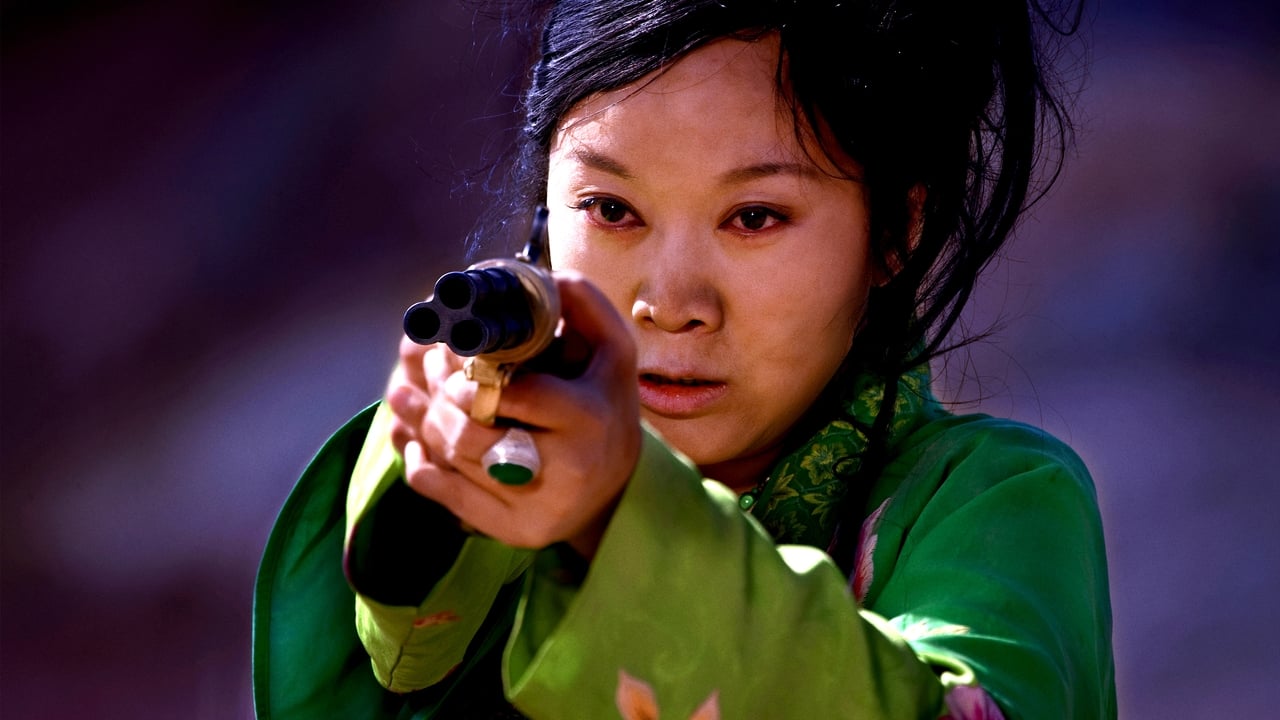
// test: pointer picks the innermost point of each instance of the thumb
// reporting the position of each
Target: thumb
(590, 316)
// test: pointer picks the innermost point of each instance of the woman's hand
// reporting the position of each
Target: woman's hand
(587, 430)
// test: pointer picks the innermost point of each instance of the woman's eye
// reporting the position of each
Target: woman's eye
(604, 210)
(755, 219)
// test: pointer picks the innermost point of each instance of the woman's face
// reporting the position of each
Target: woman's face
(741, 261)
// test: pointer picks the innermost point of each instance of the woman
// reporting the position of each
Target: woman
(764, 218)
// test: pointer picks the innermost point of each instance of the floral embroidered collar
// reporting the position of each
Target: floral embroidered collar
(802, 500)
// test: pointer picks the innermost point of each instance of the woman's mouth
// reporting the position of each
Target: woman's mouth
(678, 396)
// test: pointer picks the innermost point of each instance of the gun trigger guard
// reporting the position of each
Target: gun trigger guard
(490, 378)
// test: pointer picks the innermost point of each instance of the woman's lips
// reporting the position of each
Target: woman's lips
(678, 396)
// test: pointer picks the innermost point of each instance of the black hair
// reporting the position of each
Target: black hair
(949, 97)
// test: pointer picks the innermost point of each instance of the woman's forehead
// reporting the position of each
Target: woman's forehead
(725, 75)
(722, 100)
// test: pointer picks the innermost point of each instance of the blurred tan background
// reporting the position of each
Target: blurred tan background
(212, 215)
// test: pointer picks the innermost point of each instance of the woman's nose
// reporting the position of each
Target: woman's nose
(678, 290)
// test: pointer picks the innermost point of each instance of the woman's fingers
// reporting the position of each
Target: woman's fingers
(420, 374)
(423, 366)
(449, 433)
(409, 404)
(438, 365)
(410, 367)
(471, 503)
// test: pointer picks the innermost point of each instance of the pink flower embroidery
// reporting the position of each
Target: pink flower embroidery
(864, 571)
(970, 702)
(440, 618)
(636, 701)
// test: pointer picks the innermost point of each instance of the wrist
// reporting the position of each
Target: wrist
(586, 541)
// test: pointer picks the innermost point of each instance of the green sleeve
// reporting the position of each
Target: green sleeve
(415, 646)
(690, 609)
(304, 639)
(994, 568)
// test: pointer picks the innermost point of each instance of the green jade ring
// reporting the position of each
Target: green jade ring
(513, 460)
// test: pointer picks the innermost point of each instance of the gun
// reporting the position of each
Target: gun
(498, 313)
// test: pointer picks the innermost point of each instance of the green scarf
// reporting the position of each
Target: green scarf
(802, 501)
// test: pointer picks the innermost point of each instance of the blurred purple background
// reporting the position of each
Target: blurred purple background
(213, 214)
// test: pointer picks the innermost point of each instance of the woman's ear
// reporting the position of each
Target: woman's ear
(894, 260)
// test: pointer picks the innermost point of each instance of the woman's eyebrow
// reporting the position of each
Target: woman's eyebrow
(748, 173)
(599, 161)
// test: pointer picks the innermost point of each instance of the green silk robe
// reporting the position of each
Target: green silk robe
(981, 564)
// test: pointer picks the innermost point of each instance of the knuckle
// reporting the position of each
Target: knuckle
(400, 436)
(457, 387)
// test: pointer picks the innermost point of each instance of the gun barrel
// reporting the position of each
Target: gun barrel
(475, 312)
